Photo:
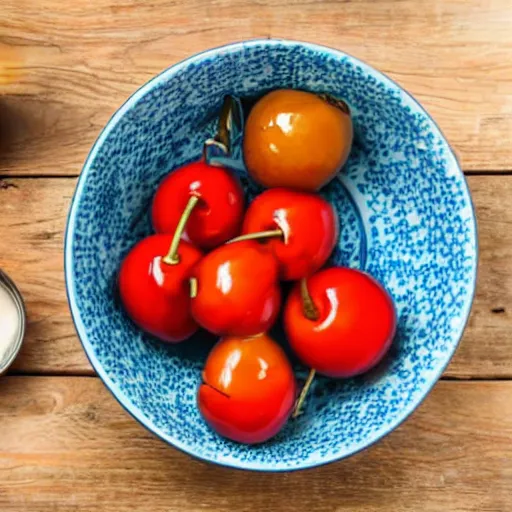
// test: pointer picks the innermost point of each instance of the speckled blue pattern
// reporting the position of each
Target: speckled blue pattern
(406, 217)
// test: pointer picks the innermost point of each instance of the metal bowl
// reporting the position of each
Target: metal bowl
(7, 357)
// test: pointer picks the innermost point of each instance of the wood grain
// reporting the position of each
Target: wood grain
(66, 445)
(32, 221)
(33, 215)
(81, 59)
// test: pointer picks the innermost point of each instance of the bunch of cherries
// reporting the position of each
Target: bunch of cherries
(216, 265)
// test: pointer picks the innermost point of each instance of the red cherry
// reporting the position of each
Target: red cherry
(156, 295)
(309, 226)
(237, 290)
(249, 389)
(355, 324)
(217, 216)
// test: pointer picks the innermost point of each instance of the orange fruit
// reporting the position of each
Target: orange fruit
(296, 139)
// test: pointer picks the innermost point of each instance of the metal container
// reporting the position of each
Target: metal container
(13, 320)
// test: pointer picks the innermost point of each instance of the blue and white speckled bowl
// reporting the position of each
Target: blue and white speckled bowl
(406, 217)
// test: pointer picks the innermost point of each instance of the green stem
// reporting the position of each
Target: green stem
(300, 402)
(193, 287)
(172, 257)
(311, 313)
(256, 236)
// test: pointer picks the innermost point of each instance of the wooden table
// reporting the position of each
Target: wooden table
(65, 443)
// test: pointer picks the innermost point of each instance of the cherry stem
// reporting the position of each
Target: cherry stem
(212, 142)
(302, 397)
(308, 306)
(311, 313)
(172, 257)
(274, 233)
(225, 120)
(336, 102)
(193, 287)
(222, 139)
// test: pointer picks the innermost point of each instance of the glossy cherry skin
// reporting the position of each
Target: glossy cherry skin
(156, 295)
(237, 290)
(248, 389)
(218, 215)
(296, 139)
(309, 224)
(356, 324)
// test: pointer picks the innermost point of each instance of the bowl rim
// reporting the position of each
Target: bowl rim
(133, 99)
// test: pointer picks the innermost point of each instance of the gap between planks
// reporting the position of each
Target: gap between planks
(92, 374)
(7, 177)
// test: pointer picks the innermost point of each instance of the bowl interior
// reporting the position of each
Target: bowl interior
(406, 218)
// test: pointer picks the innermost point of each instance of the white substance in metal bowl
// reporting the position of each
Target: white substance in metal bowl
(11, 325)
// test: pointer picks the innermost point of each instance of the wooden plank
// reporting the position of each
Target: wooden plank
(66, 445)
(81, 59)
(485, 348)
(33, 215)
(32, 220)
